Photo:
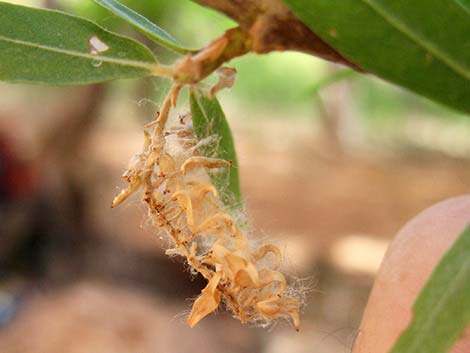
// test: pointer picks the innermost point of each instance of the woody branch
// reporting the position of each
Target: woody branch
(271, 26)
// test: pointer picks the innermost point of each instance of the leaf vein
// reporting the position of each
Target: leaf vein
(122, 62)
(403, 28)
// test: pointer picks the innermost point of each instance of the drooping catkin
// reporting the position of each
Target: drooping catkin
(182, 201)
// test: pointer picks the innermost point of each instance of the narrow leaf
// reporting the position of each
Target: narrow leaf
(422, 45)
(144, 25)
(51, 47)
(442, 310)
(209, 122)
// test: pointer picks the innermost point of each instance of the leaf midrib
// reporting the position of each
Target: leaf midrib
(123, 62)
(439, 305)
(403, 28)
(203, 111)
(463, 6)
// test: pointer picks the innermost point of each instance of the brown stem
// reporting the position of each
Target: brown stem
(271, 26)
(193, 68)
(265, 26)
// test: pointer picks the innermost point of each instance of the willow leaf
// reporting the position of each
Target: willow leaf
(50, 47)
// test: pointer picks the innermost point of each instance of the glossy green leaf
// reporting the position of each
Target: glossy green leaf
(51, 47)
(209, 122)
(465, 4)
(144, 25)
(442, 311)
(423, 45)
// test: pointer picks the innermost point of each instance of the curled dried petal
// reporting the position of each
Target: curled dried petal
(269, 307)
(268, 276)
(238, 269)
(186, 204)
(215, 222)
(247, 277)
(125, 193)
(280, 305)
(262, 251)
(197, 161)
(207, 302)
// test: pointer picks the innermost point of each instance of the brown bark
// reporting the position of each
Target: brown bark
(272, 26)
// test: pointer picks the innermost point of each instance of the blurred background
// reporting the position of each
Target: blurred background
(332, 164)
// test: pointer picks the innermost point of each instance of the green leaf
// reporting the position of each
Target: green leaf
(144, 25)
(51, 47)
(422, 45)
(209, 122)
(465, 4)
(442, 310)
